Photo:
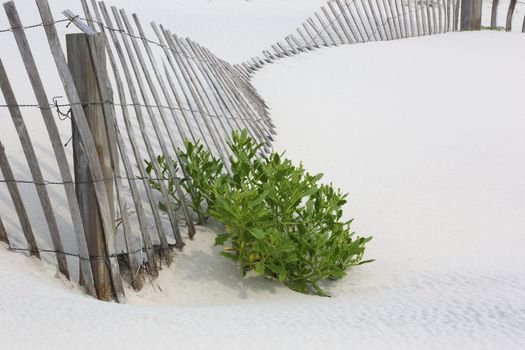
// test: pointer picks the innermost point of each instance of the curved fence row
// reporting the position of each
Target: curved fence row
(344, 22)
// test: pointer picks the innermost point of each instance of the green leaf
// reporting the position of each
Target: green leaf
(282, 275)
(257, 232)
(232, 256)
(221, 238)
(260, 268)
(337, 275)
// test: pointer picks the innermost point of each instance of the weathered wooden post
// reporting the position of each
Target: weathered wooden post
(82, 70)
(471, 14)
(510, 13)
(494, 14)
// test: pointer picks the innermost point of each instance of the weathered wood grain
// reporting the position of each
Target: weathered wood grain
(494, 14)
(87, 144)
(340, 22)
(137, 279)
(18, 203)
(326, 28)
(510, 14)
(146, 234)
(81, 68)
(140, 118)
(3, 233)
(86, 275)
(171, 136)
(34, 167)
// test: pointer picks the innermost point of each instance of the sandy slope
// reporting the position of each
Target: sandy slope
(432, 154)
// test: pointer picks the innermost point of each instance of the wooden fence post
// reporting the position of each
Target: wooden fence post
(494, 14)
(510, 13)
(3, 233)
(82, 70)
(471, 14)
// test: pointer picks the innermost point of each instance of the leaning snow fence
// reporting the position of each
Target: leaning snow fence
(79, 124)
(347, 22)
(95, 104)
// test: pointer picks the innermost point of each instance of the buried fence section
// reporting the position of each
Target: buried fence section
(131, 99)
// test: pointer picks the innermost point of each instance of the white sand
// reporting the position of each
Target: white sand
(427, 136)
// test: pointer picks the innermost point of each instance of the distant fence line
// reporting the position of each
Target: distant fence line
(182, 91)
(343, 22)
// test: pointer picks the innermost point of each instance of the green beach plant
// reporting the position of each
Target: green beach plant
(280, 221)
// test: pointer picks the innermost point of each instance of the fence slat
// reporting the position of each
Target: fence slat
(135, 147)
(239, 101)
(229, 92)
(361, 30)
(510, 13)
(392, 18)
(428, 17)
(411, 20)
(317, 32)
(237, 98)
(434, 17)
(399, 18)
(136, 278)
(494, 14)
(307, 43)
(142, 126)
(278, 52)
(447, 16)
(80, 66)
(440, 5)
(34, 167)
(326, 28)
(86, 274)
(188, 82)
(379, 28)
(160, 80)
(204, 72)
(3, 233)
(384, 19)
(347, 20)
(20, 208)
(375, 33)
(202, 95)
(405, 18)
(156, 126)
(338, 20)
(331, 24)
(311, 37)
(87, 143)
(178, 98)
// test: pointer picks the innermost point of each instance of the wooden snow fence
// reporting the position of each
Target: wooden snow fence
(343, 22)
(134, 96)
(131, 98)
